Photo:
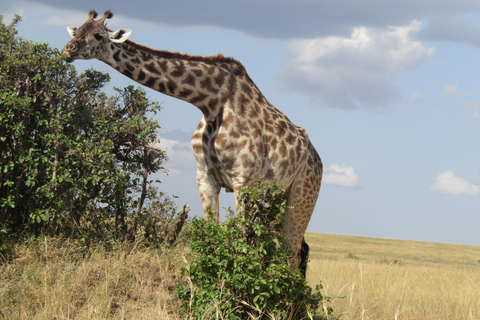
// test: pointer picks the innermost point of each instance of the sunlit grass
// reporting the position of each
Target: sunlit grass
(391, 279)
(56, 279)
(371, 279)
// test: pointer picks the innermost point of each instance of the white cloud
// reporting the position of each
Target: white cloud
(180, 156)
(452, 90)
(341, 176)
(355, 71)
(447, 182)
(414, 98)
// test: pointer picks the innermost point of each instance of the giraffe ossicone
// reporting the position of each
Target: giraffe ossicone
(241, 137)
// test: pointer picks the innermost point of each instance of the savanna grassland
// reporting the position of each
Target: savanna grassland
(371, 279)
(394, 279)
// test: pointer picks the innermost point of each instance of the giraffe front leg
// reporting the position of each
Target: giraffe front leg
(209, 193)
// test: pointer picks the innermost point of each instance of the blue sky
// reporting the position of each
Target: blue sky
(388, 92)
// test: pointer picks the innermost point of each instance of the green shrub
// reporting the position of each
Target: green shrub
(240, 268)
(74, 160)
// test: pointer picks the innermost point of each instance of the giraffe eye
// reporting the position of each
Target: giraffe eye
(98, 36)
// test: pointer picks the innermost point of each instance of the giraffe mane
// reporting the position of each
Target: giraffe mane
(234, 64)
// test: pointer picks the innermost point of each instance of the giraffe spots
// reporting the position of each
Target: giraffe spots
(207, 85)
(127, 73)
(116, 56)
(151, 83)
(243, 127)
(178, 70)
(282, 149)
(300, 146)
(213, 103)
(210, 70)
(201, 124)
(197, 72)
(254, 113)
(221, 140)
(189, 80)
(146, 56)
(163, 65)
(273, 143)
(241, 144)
(256, 133)
(171, 85)
(184, 93)
(151, 68)
(220, 78)
(270, 174)
(135, 61)
(275, 114)
(197, 147)
(292, 155)
(141, 75)
(283, 166)
(235, 134)
(247, 89)
(266, 116)
(291, 139)
(129, 67)
(225, 98)
(199, 98)
(160, 86)
(282, 128)
(242, 105)
(227, 120)
(246, 160)
(261, 99)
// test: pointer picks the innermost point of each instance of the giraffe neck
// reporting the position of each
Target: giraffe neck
(206, 82)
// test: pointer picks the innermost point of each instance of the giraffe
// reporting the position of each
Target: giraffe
(241, 137)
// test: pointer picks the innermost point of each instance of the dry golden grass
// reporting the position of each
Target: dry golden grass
(375, 278)
(56, 279)
(393, 279)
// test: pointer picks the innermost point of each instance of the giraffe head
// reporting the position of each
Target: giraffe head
(91, 40)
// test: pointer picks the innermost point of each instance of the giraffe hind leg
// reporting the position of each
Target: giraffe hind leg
(302, 197)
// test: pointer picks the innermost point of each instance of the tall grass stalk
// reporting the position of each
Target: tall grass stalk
(60, 279)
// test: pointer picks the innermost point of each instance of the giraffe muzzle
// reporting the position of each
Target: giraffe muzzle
(68, 51)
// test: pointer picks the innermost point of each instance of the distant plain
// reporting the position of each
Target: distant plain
(396, 279)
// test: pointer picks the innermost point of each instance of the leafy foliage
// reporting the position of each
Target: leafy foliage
(240, 268)
(72, 158)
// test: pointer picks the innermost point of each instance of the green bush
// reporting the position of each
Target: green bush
(240, 268)
(74, 160)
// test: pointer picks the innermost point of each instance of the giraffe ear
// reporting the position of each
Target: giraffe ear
(72, 31)
(120, 35)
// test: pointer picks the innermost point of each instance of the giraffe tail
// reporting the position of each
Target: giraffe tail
(304, 258)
